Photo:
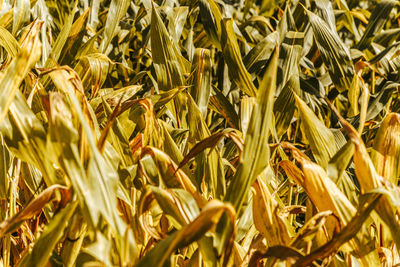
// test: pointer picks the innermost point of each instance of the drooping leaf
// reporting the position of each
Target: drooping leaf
(325, 195)
(369, 179)
(207, 219)
(266, 219)
(34, 207)
(385, 154)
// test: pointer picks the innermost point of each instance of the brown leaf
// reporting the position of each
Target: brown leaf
(35, 207)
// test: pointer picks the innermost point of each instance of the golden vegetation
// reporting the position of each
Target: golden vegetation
(199, 133)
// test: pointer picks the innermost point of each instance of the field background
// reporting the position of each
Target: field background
(199, 133)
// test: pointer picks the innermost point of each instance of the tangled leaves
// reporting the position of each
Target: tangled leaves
(199, 133)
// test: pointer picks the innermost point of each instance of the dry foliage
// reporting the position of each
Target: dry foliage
(199, 133)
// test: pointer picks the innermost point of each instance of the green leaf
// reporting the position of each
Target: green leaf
(74, 40)
(19, 68)
(201, 71)
(233, 58)
(210, 169)
(168, 64)
(334, 53)
(165, 56)
(255, 156)
(49, 238)
(378, 18)
(97, 183)
(212, 21)
(8, 42)
(21, 14)
(117, 10)
(220, 104)
(259, 55)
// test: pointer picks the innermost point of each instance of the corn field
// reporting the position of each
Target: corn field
(199, 133)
